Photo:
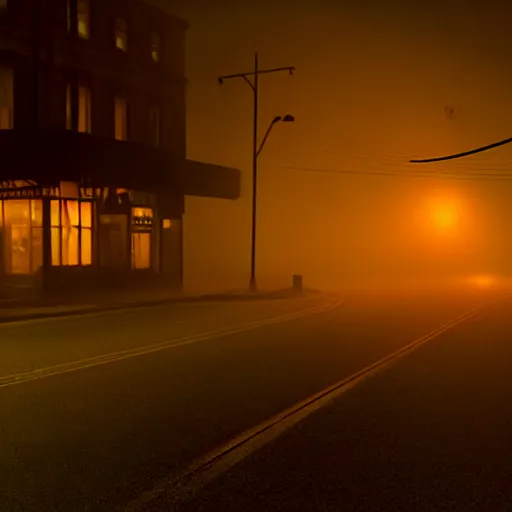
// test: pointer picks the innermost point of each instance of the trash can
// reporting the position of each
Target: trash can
(297, 283)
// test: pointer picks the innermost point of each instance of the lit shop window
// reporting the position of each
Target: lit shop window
(142, 222)
(22, 235)
(71, 224)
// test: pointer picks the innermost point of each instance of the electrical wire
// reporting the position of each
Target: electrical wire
(465, 153)
(424, 175)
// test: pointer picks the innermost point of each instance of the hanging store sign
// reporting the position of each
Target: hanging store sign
(142, 223)
(142, 219)
(28, 192)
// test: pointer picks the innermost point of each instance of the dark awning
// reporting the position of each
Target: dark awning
(50, 156)
(211, 180)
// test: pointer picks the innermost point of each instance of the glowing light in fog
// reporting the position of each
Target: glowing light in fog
(445, 215)
(483, 281)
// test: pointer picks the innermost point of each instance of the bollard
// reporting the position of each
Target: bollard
(297, 283)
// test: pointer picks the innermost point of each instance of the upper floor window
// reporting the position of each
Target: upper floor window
(121, 34)
(155, 46)
(83, 15)
(6, 98)
(154, 126)
(68, 15)
(69, 108)
(84, 109)
(120, 118)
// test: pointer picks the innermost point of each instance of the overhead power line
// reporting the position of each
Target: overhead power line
(465, 153)
(428, 175)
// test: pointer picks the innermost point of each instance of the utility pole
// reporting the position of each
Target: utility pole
(254, 85)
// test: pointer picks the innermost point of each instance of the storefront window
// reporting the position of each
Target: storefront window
(71, 232)
(86, 232)
(55, 215)
(22, 236)
(141, 250)
(142, 223)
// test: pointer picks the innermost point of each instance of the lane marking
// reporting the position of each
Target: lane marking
(178, 487)
(42, 373)
(93, 311)
(78, 314)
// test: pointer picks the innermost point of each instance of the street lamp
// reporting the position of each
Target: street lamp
(288, 118)
(254, 85)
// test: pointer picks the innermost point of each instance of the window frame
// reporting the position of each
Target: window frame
(117, 99)
(32, 226)
(7, 113)
(155, 125)
(82, 85)
(155, 47)
(121, 33)
(80, 227)
(79, 11)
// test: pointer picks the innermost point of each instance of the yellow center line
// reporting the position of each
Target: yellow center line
(178, 487)
(19, 378)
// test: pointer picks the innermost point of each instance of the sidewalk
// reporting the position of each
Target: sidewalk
(16, 310)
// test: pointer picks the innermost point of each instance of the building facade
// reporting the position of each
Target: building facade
(92, 134)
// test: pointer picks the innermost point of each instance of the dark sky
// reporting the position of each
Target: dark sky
(372, 86)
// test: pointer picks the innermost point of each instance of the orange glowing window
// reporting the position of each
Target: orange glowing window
(121, 33)
(167, 223)
(5, 117)
(68, 15)
(71, 226)
(36, 213)
(141, 251)
(22, 235)
(154, 126)
(155, 46)
(142, 212)
(86, 214)
(120, 119)
(69, 108)
(86, 247)
(83, 13)
(6, 98)
(84, 109)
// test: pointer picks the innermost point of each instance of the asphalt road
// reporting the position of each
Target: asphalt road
(431, 433)
(97, 436)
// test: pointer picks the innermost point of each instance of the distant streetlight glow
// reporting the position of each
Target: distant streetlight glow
(483, 281)
(444, 214)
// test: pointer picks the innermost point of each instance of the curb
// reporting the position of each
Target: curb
(278, 294)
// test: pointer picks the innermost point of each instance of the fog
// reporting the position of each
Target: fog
(374, 87)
